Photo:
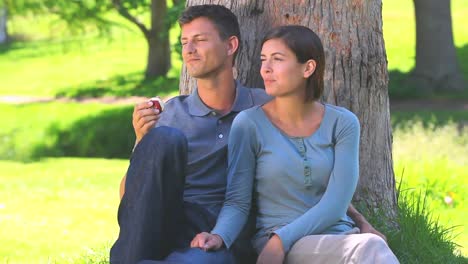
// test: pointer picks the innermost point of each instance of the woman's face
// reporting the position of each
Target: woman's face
(282, 74)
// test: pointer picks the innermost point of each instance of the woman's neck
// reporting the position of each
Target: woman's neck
(294, 116)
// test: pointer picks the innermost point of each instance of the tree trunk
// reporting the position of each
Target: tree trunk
(3, 25)
(437, 67)
(159, 53)
(356, 74)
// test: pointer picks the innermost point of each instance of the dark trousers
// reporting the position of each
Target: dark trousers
(156, 226)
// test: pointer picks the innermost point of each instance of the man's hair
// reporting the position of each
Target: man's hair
(223, 19)
(306, 45)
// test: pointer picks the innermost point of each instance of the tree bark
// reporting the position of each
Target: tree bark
(157, 37)
(159, 52)
(437, 67)
(3, 25)
(356, 75)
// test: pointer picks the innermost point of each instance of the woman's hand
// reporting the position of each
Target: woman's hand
(273, 252)
(207, 241)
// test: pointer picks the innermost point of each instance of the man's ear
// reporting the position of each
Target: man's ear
(309, 69)
(233, 45)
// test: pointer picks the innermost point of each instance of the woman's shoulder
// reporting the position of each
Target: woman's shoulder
(341, 114)
(252, 114)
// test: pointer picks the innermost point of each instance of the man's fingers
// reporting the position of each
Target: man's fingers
(211, 243)
(145, 128)
(145, 113)
(145, 120)
(142, 105)
(199, 240)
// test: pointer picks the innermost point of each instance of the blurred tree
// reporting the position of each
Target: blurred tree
(157, 34)
(437, 67)
(3, 24)
(79, 13)
(356, 75)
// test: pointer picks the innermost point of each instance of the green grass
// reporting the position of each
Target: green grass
(55, 210)
(71, 129)
(432, 160)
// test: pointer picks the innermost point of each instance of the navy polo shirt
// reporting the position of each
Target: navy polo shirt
(207, 133)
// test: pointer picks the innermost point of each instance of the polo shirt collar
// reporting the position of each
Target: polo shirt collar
(243, 101)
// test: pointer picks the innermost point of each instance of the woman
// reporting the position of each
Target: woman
(301, 157)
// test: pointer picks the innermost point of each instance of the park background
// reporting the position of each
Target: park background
(66, 99)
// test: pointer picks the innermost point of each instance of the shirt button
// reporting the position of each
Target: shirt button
(220, 121)
(220, 136)
(213, 113)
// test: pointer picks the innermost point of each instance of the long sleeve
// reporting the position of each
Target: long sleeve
(241, 172)
(340, 189)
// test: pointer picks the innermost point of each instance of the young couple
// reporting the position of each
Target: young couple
(188, 193)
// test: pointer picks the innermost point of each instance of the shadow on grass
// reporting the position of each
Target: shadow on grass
(109, 134)
(132, 84)
(400, 88)
(430, 119)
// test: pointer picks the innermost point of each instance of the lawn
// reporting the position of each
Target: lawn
(55, 210)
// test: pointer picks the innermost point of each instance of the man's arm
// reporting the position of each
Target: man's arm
(144, 118)
(122, 186)
(362, 222)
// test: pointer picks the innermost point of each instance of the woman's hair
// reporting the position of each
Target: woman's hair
(306, 45)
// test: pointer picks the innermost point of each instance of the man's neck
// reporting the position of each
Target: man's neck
(218, 93)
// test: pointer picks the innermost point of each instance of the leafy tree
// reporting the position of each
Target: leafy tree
(77, 13)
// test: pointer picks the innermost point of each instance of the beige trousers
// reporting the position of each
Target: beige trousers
(335, 249)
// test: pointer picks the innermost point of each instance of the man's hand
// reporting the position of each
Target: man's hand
(273, 252)
(366, 227)
(207, 241)
(362, 222)
(144, 118)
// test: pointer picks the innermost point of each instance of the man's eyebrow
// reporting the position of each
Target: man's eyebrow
(202, 34)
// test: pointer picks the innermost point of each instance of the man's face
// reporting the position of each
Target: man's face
(204, 52)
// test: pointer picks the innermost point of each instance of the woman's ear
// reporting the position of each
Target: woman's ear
(309, 69)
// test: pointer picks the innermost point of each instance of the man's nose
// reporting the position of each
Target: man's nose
(189, 47)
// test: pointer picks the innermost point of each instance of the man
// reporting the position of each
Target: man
(176, 181)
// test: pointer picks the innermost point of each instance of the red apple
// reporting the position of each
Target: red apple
(157, 103)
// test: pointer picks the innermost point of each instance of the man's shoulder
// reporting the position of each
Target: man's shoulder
(176, 103)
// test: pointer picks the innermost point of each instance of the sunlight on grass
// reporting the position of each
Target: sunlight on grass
(57, 209)
(434, 160)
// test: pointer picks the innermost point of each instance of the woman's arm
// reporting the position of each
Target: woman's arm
(340, 188)
(241, 171)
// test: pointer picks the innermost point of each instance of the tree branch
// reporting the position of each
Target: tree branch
(126, 14)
